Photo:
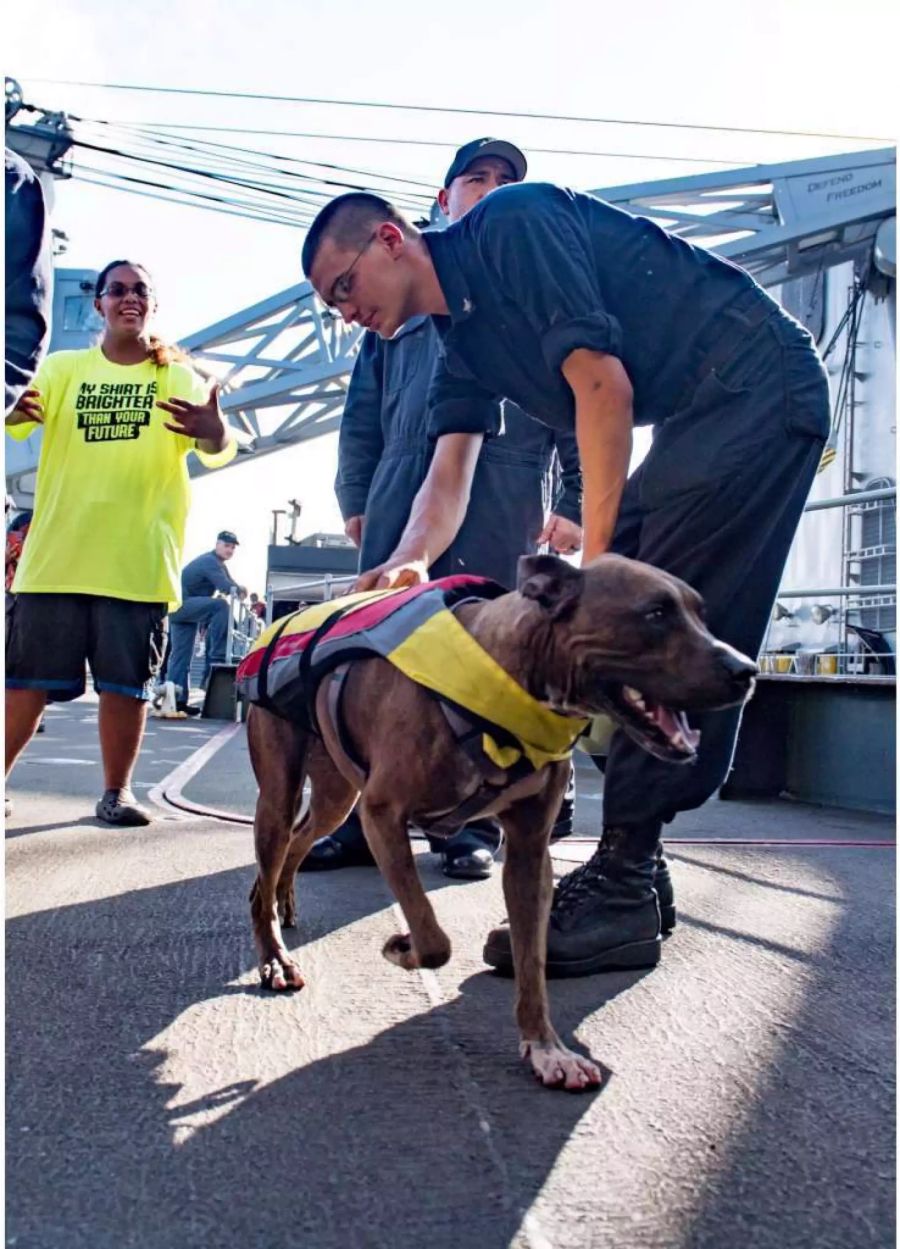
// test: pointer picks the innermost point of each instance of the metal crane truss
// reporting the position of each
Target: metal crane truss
(284, 365)
(777, 221)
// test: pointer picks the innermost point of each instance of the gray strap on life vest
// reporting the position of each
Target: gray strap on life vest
(329, 698)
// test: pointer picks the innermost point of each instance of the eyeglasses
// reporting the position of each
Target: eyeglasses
(118, 290)
(342, 286)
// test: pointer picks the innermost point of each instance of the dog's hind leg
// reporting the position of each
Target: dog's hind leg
(331, 800)
(528, 890)
(426, 944)
(278, 754)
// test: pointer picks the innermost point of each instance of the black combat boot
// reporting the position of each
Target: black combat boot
(665, 894)
(605, 915)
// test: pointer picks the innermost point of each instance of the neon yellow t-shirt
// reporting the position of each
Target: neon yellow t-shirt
(112, 492)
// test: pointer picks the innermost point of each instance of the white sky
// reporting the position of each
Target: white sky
(819, 65)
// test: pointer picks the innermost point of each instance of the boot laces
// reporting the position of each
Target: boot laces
(577, 885)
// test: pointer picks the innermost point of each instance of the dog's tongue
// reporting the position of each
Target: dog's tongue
(674, 725)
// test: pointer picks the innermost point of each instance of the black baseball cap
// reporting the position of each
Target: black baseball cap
(225, 535)
(486, 147)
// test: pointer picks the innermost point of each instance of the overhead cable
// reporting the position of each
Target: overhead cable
(152, 132)
(449, 144)
(267, 188)
(470, 112)
(263, 218)
(215, 203)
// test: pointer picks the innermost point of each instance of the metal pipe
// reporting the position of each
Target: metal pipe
(296, 591)
(846, 591)
(229, 645)
(858, 496)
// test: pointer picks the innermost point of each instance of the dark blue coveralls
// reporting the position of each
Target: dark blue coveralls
(384, 453)
(732, 385)
(29, 278)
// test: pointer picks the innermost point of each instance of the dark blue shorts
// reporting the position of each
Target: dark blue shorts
(52, 637)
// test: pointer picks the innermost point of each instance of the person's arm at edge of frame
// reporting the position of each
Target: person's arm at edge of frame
(29, 283)
(437, 513)
(603, 427)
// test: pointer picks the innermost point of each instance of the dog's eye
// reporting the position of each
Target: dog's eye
(657, 613)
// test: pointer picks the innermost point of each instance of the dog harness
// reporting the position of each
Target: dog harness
(298, 667)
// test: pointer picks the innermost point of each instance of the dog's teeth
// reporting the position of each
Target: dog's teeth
(634, 696)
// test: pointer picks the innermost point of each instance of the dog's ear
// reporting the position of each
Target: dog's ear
(551, 582)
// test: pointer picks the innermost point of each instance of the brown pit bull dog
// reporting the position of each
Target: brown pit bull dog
(617, 637)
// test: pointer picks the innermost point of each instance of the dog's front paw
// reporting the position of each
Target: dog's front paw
(399, 949)
(280, 974)
(558, 1067)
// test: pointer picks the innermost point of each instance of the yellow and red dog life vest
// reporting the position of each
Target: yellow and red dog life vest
(417, 631)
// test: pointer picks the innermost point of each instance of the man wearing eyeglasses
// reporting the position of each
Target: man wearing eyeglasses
(383, 460)
(592, 320)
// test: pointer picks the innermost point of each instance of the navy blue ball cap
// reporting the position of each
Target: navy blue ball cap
(225, 535)
(470, 152)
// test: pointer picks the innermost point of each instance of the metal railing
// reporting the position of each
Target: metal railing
(861, 652)
(243, 627)
(330, 584)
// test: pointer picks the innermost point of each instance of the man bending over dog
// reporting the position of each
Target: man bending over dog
(593, 320)
(383, 458)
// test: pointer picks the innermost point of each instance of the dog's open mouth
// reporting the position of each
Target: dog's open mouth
(661, 730)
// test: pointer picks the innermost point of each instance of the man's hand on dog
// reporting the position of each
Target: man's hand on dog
(390, 576)
(563, 536)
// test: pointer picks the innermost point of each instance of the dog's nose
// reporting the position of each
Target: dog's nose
(741, 669)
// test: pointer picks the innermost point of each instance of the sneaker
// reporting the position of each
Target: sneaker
(470, 852)
(119, 806)
(467, 862)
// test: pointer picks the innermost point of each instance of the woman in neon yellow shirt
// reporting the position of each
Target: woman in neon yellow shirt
(103, 558)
